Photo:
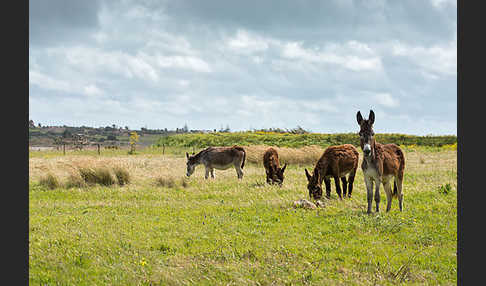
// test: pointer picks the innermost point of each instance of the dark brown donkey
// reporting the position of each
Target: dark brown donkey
(335, 162)
(275, 174)
(381, 163)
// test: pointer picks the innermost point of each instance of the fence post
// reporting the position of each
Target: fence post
(98, 148)
(163, 149)
(64, 148)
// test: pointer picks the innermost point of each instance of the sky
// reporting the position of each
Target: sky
(245, 64)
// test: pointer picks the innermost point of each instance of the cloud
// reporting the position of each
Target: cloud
(245, 43)
(47, 82)
(386, 99)
(332, 54)
(92, 90)
(436, 59)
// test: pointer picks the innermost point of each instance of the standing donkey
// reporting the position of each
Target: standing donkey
(220, 158)
(381, 163)
(335, 162)
(275, 174)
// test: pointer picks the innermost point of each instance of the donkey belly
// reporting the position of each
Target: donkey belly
(222, 167)
(340, 175)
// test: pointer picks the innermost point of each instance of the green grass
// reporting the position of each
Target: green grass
(230, 232)
(296, 140)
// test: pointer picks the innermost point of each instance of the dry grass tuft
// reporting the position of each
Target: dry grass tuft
(304, 155)
(74, 181)
(167, 182)
(184, 183)
(122, 176)
(100, 175)
(50, 181)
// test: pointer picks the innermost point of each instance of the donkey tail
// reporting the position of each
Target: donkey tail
(244, 154)
(244, 157)
(395, 189)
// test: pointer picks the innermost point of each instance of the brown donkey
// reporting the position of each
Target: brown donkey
(275, 174)
(381, 163)
(335, 162)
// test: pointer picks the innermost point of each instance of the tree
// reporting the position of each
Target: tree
(67, 134)
(133, 141)
(111, 137)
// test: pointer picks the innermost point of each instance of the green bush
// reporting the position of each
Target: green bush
(201, 140)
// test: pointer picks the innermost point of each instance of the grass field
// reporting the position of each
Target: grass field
(160, 229)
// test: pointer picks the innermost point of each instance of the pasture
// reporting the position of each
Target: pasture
(162, 229)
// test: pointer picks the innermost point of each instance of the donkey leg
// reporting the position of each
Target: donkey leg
(269, 180)
(345, 185)
(212, 172)
(206, 175)
(351, 182)
(399, 192)
(338, 186)
(388, 192)
(369, 192)
(327, 182)
(377, 194)
(239, 172)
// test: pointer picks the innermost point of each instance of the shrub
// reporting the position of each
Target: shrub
(50, 181)
(122, 176)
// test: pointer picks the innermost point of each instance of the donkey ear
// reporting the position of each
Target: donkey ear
(187, 155)
(371, 118)
(283, 169)
(308, 175)
(359, 118)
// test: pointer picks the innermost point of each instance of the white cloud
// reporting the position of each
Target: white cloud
(441, 3)
(92, 90)
(440, 59)
(182, 62)
(352, 55)
(247, 43)
(47, 82)
(386, 99)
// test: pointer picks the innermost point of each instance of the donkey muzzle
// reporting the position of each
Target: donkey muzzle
(367, 149)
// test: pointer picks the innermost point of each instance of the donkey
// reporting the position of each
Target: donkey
(381, 163)
(275, 174)
(220, 158)
(336, 162)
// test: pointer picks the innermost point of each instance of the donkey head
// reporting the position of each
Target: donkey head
(315, 189)
(191, 164)
(280, 174)
(366, 133)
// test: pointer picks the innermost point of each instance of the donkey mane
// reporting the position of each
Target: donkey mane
(200, 153)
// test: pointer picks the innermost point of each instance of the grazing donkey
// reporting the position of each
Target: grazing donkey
(381, 163)
(335, 162)
(220, 158)
(275, 174)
